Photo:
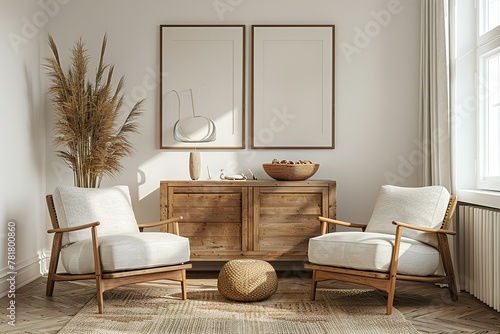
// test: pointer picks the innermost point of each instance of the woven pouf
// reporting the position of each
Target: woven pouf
(247, 280)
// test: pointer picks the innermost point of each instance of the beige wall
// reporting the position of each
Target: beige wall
(376, 105)
(22, 129)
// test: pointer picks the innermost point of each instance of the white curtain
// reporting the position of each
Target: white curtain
(435, 115)
(435, 129)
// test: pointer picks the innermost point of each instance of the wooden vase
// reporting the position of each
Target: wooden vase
(194, 165)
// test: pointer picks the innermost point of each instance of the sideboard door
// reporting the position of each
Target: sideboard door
(215, 220)
(285, 218)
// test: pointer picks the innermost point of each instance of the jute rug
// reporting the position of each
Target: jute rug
(137, 309)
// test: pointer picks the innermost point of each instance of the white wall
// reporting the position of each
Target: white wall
(376, 95)
(376, 90)
(23, 152)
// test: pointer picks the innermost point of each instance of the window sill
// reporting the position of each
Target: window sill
(480, 197)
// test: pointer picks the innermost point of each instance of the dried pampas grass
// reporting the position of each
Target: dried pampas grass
(86, 116)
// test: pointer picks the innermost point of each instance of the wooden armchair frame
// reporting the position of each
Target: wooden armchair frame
(107, 281)
(387, 281)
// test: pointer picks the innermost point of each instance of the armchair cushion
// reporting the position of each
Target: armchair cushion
(423, 206)
(372, 251)
(126, 252)
(110, 206)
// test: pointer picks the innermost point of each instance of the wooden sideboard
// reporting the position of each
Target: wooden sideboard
(268, 220)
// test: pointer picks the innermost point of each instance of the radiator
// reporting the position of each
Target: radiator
(478, 232)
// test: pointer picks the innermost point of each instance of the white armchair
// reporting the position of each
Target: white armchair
(405, 239)
(97, 237)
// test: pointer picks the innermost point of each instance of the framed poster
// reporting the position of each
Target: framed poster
(202, 96)
(293, 86)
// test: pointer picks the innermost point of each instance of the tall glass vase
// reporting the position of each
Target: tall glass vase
(194, 165)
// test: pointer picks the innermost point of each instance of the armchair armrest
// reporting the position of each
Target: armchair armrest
(424, 229)
(174, 221)
(325, 221)
(57, 244)
(74, 228)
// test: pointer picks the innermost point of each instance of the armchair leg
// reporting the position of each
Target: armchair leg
(390, 301)
(54, 260)
(50, 286)
(100, 294)
(452, 285)
(390, 294)
(444, 249)
(183, 284)
(314, 285)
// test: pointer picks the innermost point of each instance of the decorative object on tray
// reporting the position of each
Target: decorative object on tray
(234, 177)
(87, 115)
(288, 170)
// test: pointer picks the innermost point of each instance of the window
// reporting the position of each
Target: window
(489, 93)
(490, 15)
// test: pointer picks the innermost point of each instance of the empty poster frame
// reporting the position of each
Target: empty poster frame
(293, 86)
(202, 86)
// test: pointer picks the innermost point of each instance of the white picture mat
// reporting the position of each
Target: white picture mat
(293, 87)
(208, 61)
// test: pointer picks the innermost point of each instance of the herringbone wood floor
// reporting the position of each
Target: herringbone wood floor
(427, 306)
